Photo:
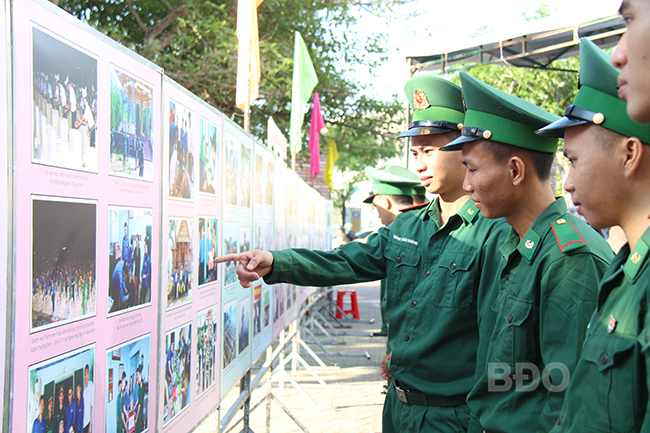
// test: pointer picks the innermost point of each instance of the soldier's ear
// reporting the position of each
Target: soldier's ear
(634, 152)
(517, 170)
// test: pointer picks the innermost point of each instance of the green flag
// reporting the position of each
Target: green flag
(304, 81)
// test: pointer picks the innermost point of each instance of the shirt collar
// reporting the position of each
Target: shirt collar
(468, 212)
(638, 259)
(531, 241)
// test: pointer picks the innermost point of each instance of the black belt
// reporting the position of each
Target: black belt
(418, 398)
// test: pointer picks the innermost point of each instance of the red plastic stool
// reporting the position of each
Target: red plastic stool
(340, 295)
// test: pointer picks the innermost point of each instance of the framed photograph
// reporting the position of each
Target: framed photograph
(181, 151)
(230, 321)
(59, 385)
(130, 390)
(180, 253)
(130, 267)
(244, 324)
(64, 279)
(177, 385)
(208, 249)
(65, 105)
(131, 126)
(207, 335)
(209, 136)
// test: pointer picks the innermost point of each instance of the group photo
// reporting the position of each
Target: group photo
(208, 241)
(176, 387)
(181, 152)
(64, 278)
(207, 336)
(64, 103)
(129, 258)
(210, 136)
(132, 153)
(61, 394)
(128, 375)
(180, 253)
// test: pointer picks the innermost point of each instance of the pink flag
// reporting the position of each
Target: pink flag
(317, 125)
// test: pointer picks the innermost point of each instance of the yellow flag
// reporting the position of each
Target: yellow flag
(248, 58)
(332, 157)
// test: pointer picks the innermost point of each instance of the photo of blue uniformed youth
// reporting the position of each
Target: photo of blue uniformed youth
(63, 261)
(131, 126)
(64, 98)
(177, 384)
(180, 253)
(209, 157)
(129, 258)
(61, 393)
(127, 409)
(181, 152)
(208, 229)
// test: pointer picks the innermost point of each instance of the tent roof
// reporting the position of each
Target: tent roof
(535, 49)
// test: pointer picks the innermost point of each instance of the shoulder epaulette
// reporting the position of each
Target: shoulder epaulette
(417, 206)
(567, 235)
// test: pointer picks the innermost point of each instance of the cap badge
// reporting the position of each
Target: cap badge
(529, 244)
(612, 324)
(487, 134)
(425, 131)
(561, 221)
(420, 101)
(636, 257)
(598, 118)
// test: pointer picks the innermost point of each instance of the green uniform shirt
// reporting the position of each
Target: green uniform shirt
(547, 293)
(609, 387)
(438, 278)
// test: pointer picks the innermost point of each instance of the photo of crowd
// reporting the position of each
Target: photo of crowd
(177, 386)
(232, 150)
(181, 152)
(206, 348)
(127, 386)
(180, 249)
(64, 98)
(208, 241)
(230, 246)
(209, 157)
(129, 257)
(61, 395)
(244, 324)
(64, 286)
(244, 188)
(131, 126)
(229, 333)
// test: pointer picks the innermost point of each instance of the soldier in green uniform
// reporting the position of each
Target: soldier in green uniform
(440, 259)
(632, 57)
(393, 189)
(552, 262)
(609, 181)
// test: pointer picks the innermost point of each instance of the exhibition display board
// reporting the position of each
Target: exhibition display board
(125, 188)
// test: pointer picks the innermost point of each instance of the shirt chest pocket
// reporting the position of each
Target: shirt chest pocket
(402, 260)
(612, 387)
(516, 338)
(454, 283)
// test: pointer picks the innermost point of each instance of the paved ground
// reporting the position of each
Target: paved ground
(351, 400)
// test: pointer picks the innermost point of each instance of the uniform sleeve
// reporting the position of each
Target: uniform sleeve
(568, 299)
(491, 266)
(644, 341)
(353, 262)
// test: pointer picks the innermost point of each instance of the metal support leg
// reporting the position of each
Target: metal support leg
(244, 387)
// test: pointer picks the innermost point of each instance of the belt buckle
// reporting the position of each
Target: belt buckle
(401, 394)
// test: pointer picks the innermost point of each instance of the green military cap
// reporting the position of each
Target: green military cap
(437, 106)
(498, 116)
(393, 180)
(597, 99)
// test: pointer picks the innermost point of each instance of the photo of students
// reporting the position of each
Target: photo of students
(63, 261)
(62, 393)
(176, 386)
(129, 258)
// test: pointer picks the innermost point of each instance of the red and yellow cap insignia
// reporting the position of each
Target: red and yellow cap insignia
(420, 101)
